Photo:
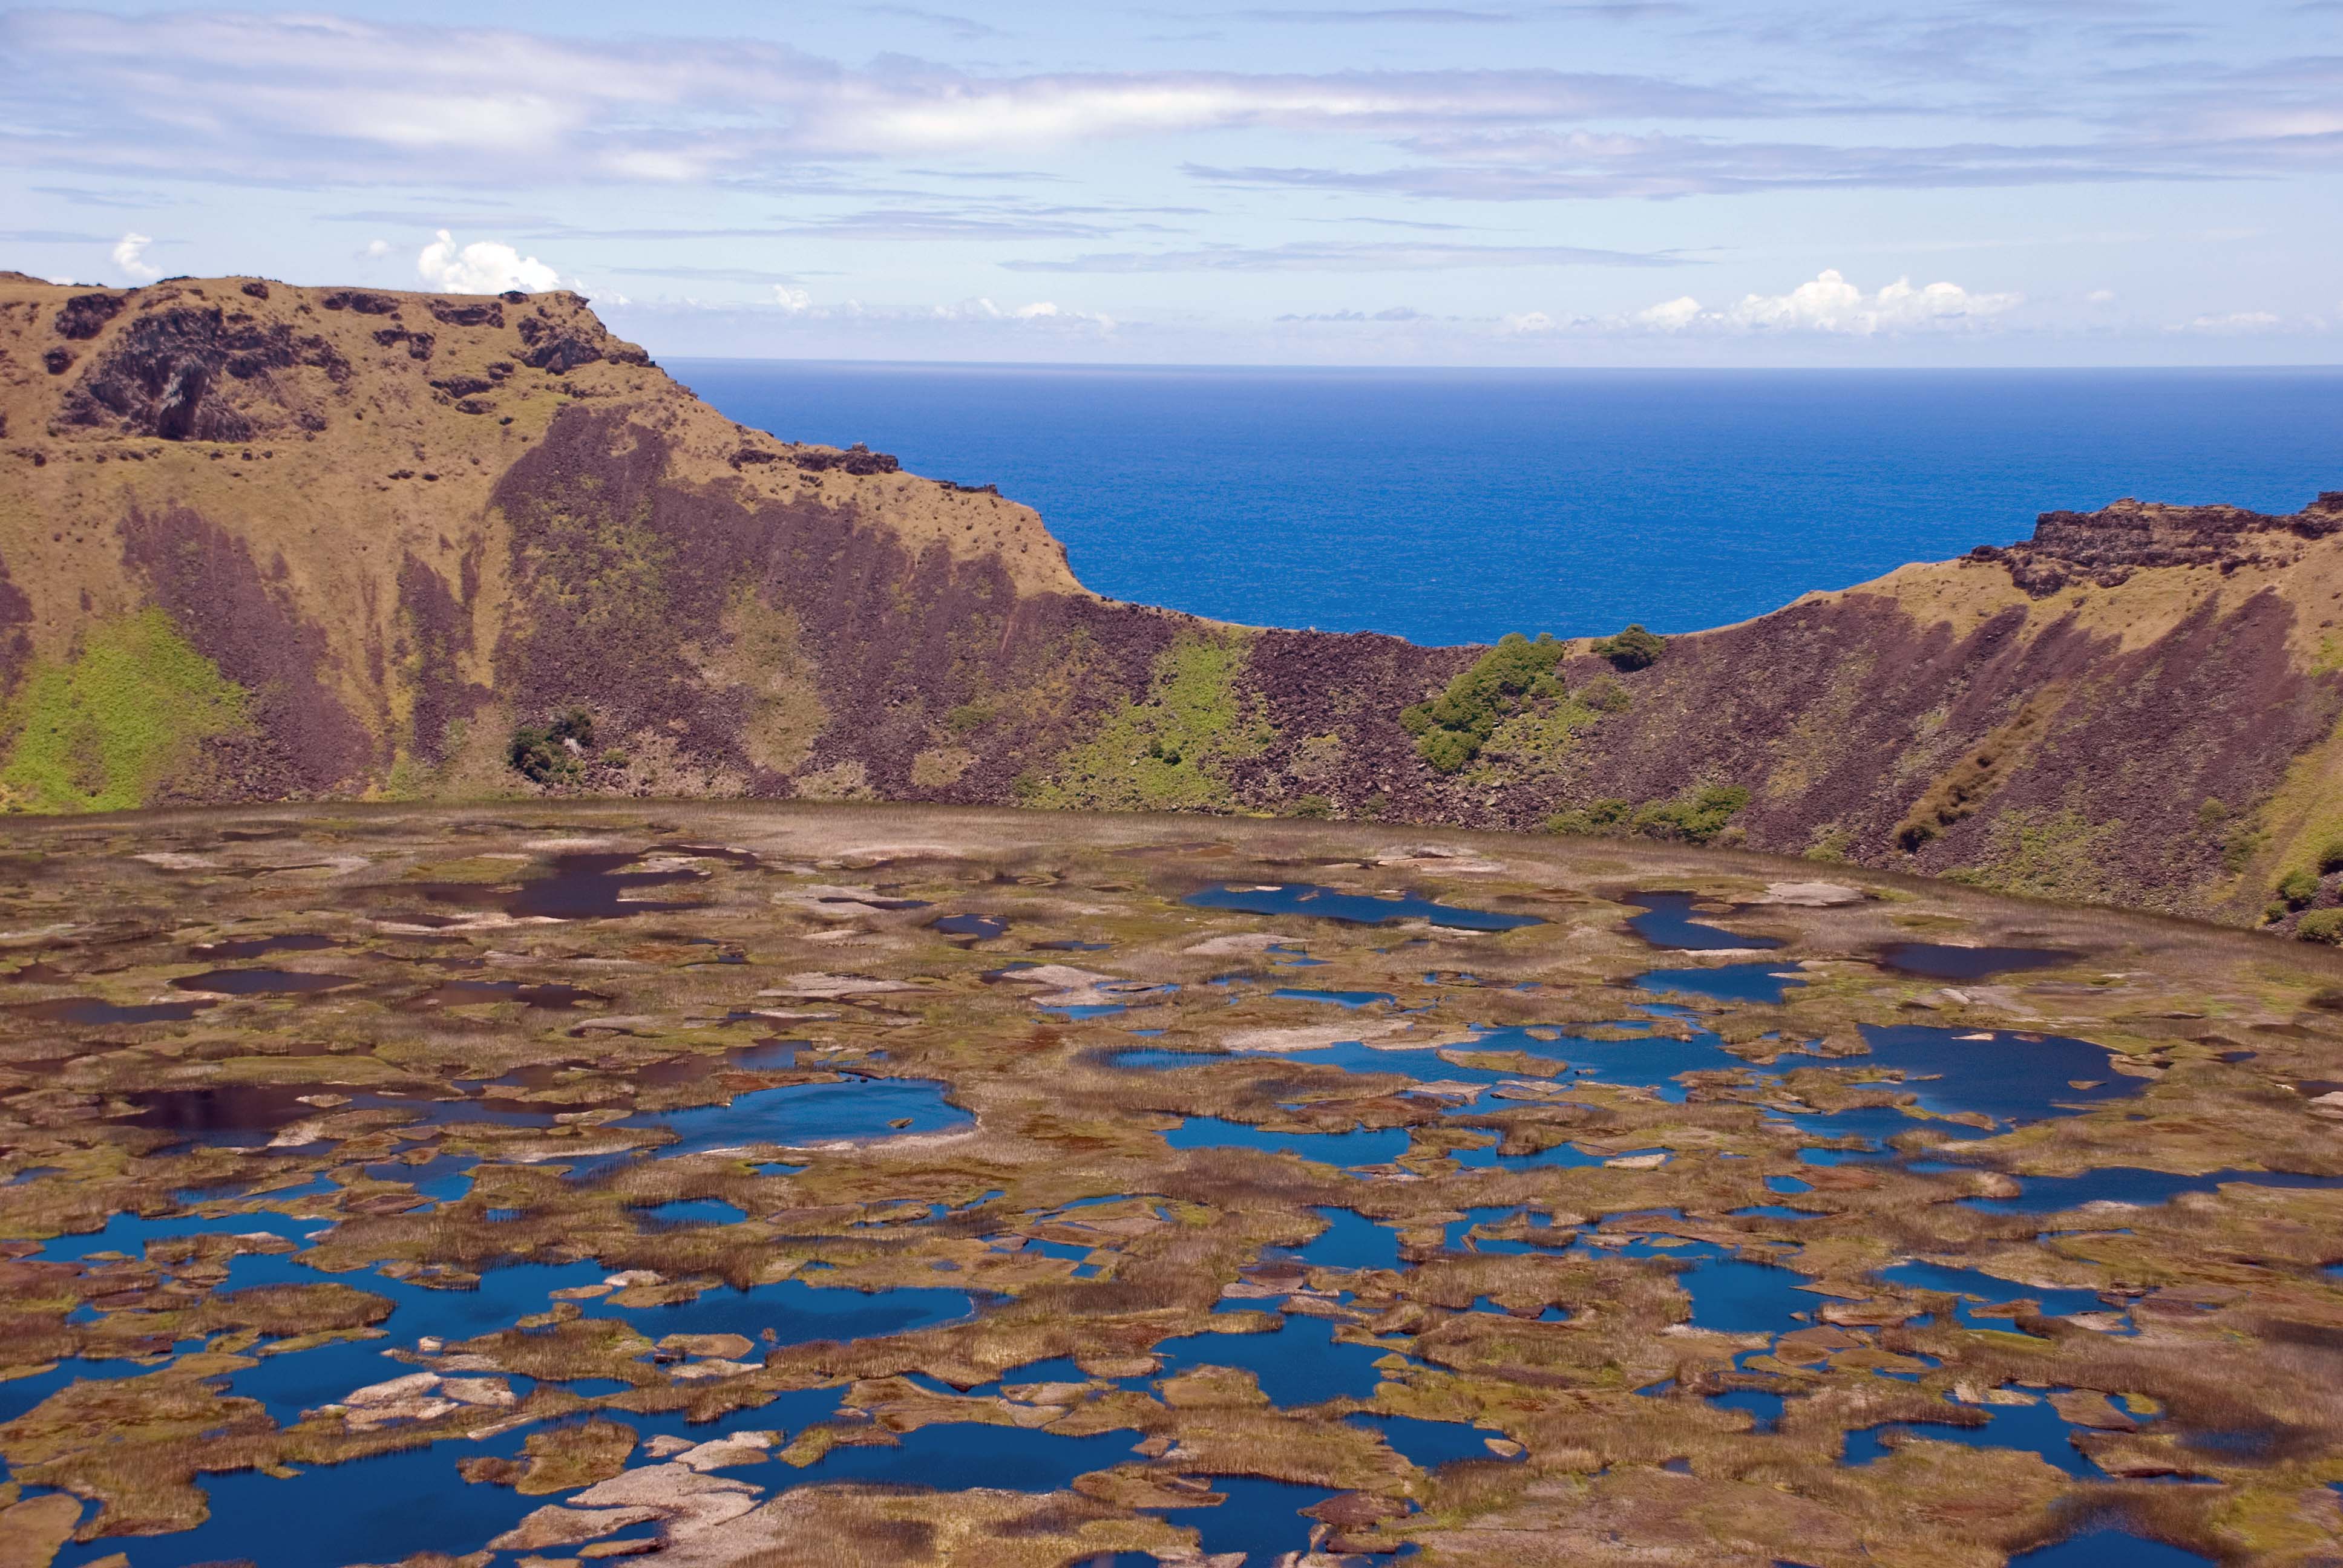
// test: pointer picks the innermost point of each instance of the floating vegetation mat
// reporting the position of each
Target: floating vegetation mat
(831, 1186)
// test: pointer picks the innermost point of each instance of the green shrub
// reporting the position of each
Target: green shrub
(2321, 926)
(1604, 695)
(969, 716)
(2298, 889)
(1316, 806)
(1633, 649)
(1698, 816)
(1450, 729)
(550, 753)
(1604, 819)
(2330, 856)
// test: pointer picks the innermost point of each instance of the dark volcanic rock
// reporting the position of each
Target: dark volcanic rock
(625, 573)
(2106, 546)
(85, 316)
(305, 741)
(436, 631)
(473, 314)
(856, 459)
(359, 300)
(192, 373)
(564, 346)
(16, 635)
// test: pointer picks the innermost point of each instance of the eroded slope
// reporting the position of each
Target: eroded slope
(266, 542)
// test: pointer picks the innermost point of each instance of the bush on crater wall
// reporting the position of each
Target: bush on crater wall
(2297, 888)
(1702, 815)
(1633, 649)
(1450, 729)
(2321, 926)
(553, 752)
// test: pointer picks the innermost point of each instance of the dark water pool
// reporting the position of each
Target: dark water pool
(1667, 922)
(1356, 909)
(1261, 1518)
(1349, 999)
(2011, 1079)
(129, 1233)
(1427, 1445)
(980, 928)
(2121, 1184)
(1757, 982)
(1650, 1059)
(685, 1212)
(261, 947)
(1945, 960)
(1302, 1363)
(568, 887)
(379, 1509)
(1359, 1146)
(262, 982)
(796, 1313)
(586, 887)
(1734, 1296)
(2034, 1428)
(244, 1115)
(2109, 1549)
(1350, 1241)
(1764, 1406)
(1972, 1282)
(473, 993)
(811, 1113)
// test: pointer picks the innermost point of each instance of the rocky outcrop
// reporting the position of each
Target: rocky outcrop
(2106, 546)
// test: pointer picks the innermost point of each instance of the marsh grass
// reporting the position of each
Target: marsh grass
(2229, 1285)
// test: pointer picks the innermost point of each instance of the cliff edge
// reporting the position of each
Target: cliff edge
(260, 541)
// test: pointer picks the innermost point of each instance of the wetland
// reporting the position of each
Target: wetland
(832, 1185)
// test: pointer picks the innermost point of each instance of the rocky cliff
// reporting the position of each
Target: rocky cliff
(260, 542)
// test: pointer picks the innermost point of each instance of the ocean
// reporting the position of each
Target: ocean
(1454, 506)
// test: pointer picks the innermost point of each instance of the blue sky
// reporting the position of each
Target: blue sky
(1645, 182)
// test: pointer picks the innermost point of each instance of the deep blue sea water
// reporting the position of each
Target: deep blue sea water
(1454, 506)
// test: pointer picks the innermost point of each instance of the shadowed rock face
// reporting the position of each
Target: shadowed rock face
(187, 374)
(407, 525)
(626, 576)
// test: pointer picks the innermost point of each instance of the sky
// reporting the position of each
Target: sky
(1632, 183)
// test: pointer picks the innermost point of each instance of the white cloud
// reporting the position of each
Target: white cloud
(1830, 304)
(2237, 324)
(375, 249)
(483, 266)
(796, 301)
(318, 96)
(1529, 321)
(130, 257)
(1040, 313)
(1670, 315)
(2100, 297)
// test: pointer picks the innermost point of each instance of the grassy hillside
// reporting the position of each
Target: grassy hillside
(261, 542)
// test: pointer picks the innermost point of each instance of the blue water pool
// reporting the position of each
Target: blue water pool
(1357, 909)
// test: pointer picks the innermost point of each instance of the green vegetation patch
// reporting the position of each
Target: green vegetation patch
(1700, 816)
(1633, 649)
(2047, 855)
(553, 752)
(1512, 677)
(1169, 749)
(105, 730)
